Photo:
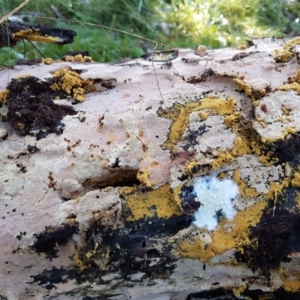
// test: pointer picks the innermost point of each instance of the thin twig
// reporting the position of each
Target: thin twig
(162, 98)
(106, 27)
(13, 11)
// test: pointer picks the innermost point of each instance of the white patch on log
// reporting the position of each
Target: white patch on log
(215, 196)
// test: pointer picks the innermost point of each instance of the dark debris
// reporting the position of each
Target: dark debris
(189, 202)
(31, 109)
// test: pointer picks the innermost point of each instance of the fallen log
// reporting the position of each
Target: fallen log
(170, 177)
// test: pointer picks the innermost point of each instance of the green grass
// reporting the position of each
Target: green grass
(186, 23)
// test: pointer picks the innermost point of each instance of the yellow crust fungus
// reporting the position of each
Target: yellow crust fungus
(71, 83)
(78, 263)
(159, 202)
(3, 96)
(23, 76)
(34, 36)
(48, 61)
(78, 58)
(287, 131)
(223, 240)
(233, 121)
(262, 92)
(243, 86)
(176, 194)
(245, 191)
(276, 188)
(297, 200)
(143, 177)
(297, 77)
(241, 47)
(222, 159)
(295, 181)
(201, 51)
(237, 291)
(203, 115)
(295, 86)
(180, 113)
(286, 53)
(283, 55)
(293, 42)
(218, 106)
(260, 120)
(241, 147)
(247, 141)
(291, 285)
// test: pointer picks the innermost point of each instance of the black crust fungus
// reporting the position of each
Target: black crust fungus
(48, 240)
(9, 34)
(191, 139)
(189, 202)
(31, 109)
(133, 248)
(275, 236)
(223, 294)
(197, 79)
(289, 149)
